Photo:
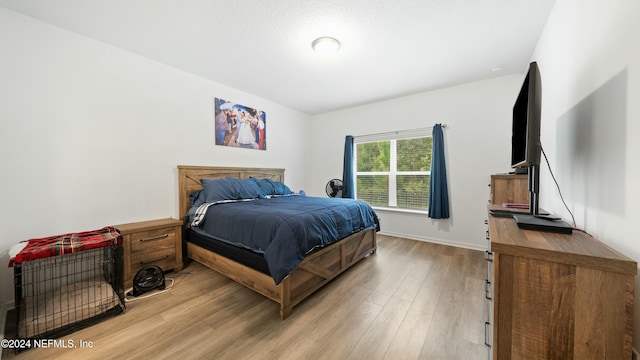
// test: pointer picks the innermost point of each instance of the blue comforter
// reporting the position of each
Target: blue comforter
(286, 228)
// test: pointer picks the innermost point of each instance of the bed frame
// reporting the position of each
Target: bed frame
(317, 269)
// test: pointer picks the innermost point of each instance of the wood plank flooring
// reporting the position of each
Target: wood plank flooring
(411, 300)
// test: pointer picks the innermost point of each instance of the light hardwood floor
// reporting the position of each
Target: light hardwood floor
(411, 300)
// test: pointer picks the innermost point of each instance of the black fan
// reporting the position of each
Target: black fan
(334, 188)
(147, 279)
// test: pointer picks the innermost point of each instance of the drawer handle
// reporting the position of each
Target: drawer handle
(487, 290)
(158, 237)
(488, 255)
(488, 238)
(486, 222)
(487, 326)
(154, 260)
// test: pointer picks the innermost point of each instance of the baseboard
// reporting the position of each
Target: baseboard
(436, 241)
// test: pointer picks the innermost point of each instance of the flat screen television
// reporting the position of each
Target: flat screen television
(525, 136)
(526, 150)
(525, 133)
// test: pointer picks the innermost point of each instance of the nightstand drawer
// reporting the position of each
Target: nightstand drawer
(160, 250)
(164, 260)
(153, 239)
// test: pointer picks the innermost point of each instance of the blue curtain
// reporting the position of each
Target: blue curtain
(347, 169)
(438, 192)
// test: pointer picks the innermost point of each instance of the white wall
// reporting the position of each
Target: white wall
(589, 58)
(90, 135)
(477, 144)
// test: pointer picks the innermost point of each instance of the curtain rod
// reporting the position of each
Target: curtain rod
(397, 132)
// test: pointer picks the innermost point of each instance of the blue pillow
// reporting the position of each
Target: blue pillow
(215, 190)
(248, 189)
(195, 199)
(218, 189)
(282, 189)
(267, 187)
(270, 187)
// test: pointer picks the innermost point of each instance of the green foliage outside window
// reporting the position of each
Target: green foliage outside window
(413, 164)
(414, 154)
(373, 189)
(374, 156)
(412, 191)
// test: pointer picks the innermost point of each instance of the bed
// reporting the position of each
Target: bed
(247, 267)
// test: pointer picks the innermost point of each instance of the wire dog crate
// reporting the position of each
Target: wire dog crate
(59, 294)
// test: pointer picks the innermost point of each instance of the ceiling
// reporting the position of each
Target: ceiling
(390, 48)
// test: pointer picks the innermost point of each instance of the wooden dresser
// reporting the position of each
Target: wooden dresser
(154, 242)
(554, 296)
(508, 188)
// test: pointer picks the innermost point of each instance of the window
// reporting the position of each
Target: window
(392, 170)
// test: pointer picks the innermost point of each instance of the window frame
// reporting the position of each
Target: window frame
(393, 172)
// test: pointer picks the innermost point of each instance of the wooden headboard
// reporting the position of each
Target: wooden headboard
(189, 179)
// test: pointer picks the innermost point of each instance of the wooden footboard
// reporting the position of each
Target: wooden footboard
(314, 271)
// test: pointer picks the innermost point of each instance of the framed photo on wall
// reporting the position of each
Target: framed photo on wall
(239, 125)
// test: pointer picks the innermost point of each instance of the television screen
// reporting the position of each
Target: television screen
(525, 136)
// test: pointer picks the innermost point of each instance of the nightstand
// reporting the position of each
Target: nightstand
(154, 242)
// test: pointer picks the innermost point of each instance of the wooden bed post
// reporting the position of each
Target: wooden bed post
(285, 298)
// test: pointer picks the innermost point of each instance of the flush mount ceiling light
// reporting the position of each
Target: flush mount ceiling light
(325, 45)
